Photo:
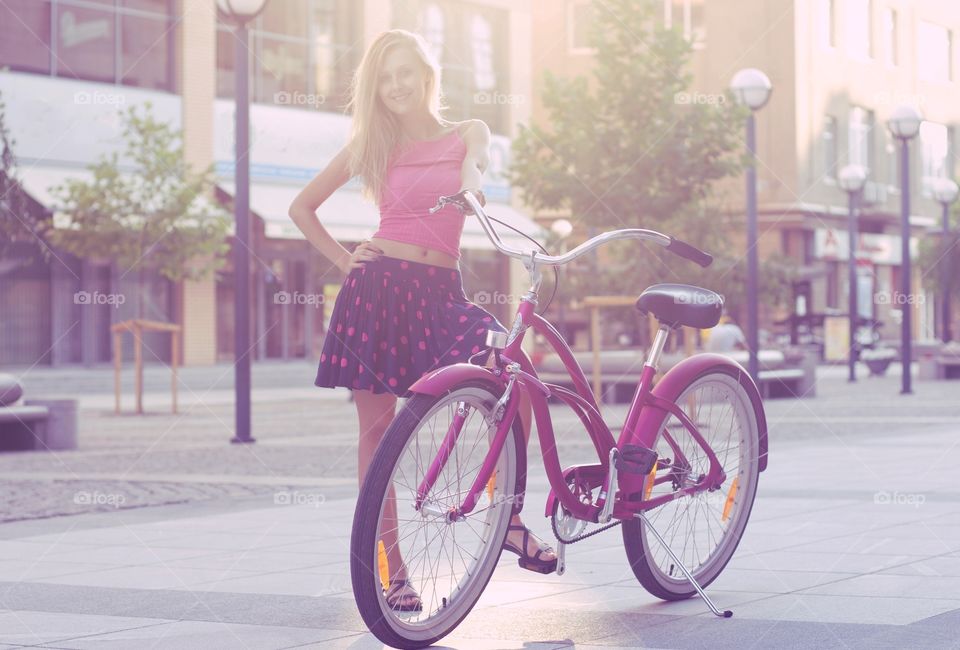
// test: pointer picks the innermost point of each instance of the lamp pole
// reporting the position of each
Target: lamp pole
(240, 12)
(904, 124)
(945, 191)
(852, 179)
(752, 88)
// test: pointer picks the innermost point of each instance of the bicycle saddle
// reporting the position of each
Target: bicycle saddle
(682, 304)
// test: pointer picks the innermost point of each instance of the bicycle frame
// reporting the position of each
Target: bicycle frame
(648, 410)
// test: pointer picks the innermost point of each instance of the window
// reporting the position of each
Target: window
(299, 54)
(830, 139)
(688, 17)
(860, 138)
(891, 50)
(935, 55)
(828, 23)
(25, 35)
(482, 46)
(859, 32)
(934, 152)
(126, 42)
(580, 19)
(431, 27)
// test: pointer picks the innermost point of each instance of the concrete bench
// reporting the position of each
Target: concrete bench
(35, 424)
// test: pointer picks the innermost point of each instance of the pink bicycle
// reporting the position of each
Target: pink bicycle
(681, 476)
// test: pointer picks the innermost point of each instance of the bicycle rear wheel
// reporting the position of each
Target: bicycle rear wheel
(447, 563)
(705, 528)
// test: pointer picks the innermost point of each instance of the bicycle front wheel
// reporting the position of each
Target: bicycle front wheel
(447, 563)
(702, 529)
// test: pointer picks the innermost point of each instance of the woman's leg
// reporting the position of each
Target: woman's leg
(376, 411)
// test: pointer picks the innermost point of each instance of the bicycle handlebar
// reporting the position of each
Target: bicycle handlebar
(465, 200)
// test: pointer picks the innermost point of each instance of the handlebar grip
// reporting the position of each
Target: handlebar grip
(692, 253)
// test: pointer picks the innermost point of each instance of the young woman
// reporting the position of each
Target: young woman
(402, 311)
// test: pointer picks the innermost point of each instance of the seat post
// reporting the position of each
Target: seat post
(659, 341)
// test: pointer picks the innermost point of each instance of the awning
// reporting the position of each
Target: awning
(348, 216)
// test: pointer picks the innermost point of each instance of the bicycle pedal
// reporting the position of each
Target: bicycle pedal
(636, 459)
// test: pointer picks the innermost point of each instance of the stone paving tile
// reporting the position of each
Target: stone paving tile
(31, 627)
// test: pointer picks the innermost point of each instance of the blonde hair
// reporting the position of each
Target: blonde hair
(375, 131)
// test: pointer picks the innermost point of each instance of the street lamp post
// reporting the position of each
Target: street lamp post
(852, 178)
(904, 124)
(752, 88)
(945, 191)
(562, 229)
(240, 12)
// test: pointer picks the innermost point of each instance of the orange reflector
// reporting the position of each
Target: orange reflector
(651, 479)
(490, 485)
(731, 495)
(383, 565)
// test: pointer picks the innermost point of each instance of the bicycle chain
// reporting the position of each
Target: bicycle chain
(553, 525)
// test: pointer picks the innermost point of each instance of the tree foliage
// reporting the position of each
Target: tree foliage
(631, 147)
(146, 210)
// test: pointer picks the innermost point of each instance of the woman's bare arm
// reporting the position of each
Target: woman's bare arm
(477, 139)
(303, 210)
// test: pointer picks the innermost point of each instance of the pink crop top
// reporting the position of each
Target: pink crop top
(416, 178)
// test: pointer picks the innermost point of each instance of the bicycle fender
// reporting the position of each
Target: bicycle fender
(680, 376)
(436, 382)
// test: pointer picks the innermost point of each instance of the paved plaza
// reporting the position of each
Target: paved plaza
(158, 533)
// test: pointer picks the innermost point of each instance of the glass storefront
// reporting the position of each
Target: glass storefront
(127, 42)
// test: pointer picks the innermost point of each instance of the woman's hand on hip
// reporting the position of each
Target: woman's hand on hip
(363, 253)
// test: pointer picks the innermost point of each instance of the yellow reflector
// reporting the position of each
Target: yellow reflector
(731, 495)
(490, 484)
(651, 479)
(383, 565)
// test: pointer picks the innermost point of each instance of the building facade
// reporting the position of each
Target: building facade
(68, 67)
(838, 69)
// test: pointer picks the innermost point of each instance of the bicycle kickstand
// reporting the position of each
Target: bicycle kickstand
(713, 608)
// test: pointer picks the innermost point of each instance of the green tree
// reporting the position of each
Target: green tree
(148, 213)
(17, 222)
(629, 148)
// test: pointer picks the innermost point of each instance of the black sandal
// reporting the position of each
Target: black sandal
(396, 603)
(530, 562)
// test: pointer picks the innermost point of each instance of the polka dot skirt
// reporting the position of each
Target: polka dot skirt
(395, 320)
